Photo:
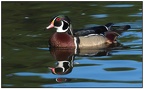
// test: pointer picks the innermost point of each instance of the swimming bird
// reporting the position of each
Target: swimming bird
(66, 37)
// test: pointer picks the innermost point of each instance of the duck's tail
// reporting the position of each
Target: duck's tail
(114, 31)
(111, 36)
(120, 29)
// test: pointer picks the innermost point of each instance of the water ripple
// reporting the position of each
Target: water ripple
(99, 15)
(136, 15)
(120, 5)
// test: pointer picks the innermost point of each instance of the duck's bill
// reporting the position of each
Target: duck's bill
(52, 69)
(50, 26)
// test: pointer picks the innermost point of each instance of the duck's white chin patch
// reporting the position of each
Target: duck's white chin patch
(61, 30)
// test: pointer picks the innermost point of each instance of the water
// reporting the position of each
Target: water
(26, 58)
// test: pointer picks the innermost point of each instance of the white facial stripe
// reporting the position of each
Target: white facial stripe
(60, 29)
(66, 21)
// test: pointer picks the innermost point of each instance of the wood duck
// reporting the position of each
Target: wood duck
(65, 37)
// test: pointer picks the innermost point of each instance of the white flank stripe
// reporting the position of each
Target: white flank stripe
(106, 27)
(75, 42)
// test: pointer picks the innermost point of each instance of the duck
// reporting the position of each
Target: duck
(92, 37)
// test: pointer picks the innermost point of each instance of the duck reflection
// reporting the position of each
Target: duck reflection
(65, 57)
(65, 60)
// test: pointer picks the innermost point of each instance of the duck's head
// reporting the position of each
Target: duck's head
(61, 23)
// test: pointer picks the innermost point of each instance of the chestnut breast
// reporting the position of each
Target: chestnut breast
(62, 40)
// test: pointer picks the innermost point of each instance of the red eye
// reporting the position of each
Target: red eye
(58, 19)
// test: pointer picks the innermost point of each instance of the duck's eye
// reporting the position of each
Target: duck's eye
(58, 19)
(57, 22)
